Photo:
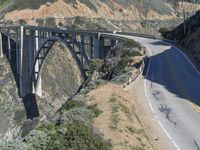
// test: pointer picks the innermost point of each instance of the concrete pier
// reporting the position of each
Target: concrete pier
(38, 87)
(9, 48)
(98, 48)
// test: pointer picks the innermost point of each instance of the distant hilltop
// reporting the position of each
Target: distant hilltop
(108, 9)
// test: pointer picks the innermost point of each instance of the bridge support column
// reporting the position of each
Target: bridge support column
(82, 49)
(26, 58)
(99, 47)
(17, 51)
(21, 72)
(1, 46)
(38, 88)
(24, 64)
(91, 47)
(9, 48)
(31, 49)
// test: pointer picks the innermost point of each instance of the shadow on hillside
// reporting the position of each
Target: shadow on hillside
(165, 71)
(13, 60)
(29, 101)
(31, 107)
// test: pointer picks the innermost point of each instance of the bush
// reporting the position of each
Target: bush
(75, 136)
(93, 108)
(131, 43)
(74, 104)
(37, 139)
(13, 145)
(77, 114)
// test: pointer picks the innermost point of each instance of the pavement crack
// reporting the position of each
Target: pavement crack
(167, 111)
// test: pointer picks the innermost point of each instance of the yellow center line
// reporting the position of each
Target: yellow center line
(180, 86)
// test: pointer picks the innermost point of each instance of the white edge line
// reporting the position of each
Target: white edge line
(150, 105)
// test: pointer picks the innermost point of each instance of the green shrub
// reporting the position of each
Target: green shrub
(13, 145)
(74, 104)
(38, 139)
(77, 114)
(113, 98)
(114, 120)
(93, 108)
(75, 136)
(130, 43)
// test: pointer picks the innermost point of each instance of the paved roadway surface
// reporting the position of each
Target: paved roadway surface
(172, 87)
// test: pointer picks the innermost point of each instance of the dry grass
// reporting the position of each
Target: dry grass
(118, 120)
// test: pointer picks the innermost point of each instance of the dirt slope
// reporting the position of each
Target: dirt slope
(126, 118)
(118, 121)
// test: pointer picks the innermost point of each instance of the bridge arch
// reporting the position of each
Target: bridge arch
(40, 56)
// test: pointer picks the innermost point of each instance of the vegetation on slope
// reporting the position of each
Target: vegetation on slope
(9, 5)
(121, 61)
(70, 129)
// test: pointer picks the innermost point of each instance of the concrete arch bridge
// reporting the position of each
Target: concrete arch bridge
(26, 47)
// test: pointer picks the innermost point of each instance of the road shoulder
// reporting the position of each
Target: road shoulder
(156, 135)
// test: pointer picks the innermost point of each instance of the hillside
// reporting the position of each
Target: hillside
(90, 120)
(133, 16)
(113, 9)
(189, 40)
(76, 124)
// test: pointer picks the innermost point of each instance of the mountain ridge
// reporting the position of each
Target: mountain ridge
(113, 9)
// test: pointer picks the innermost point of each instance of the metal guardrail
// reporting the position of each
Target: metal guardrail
(146, 36)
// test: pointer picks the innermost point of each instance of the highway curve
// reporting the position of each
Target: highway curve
(172, 87)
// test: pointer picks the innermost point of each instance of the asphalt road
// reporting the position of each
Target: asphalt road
(172, 87)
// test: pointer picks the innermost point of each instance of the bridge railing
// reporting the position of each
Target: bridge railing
(87, 32)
